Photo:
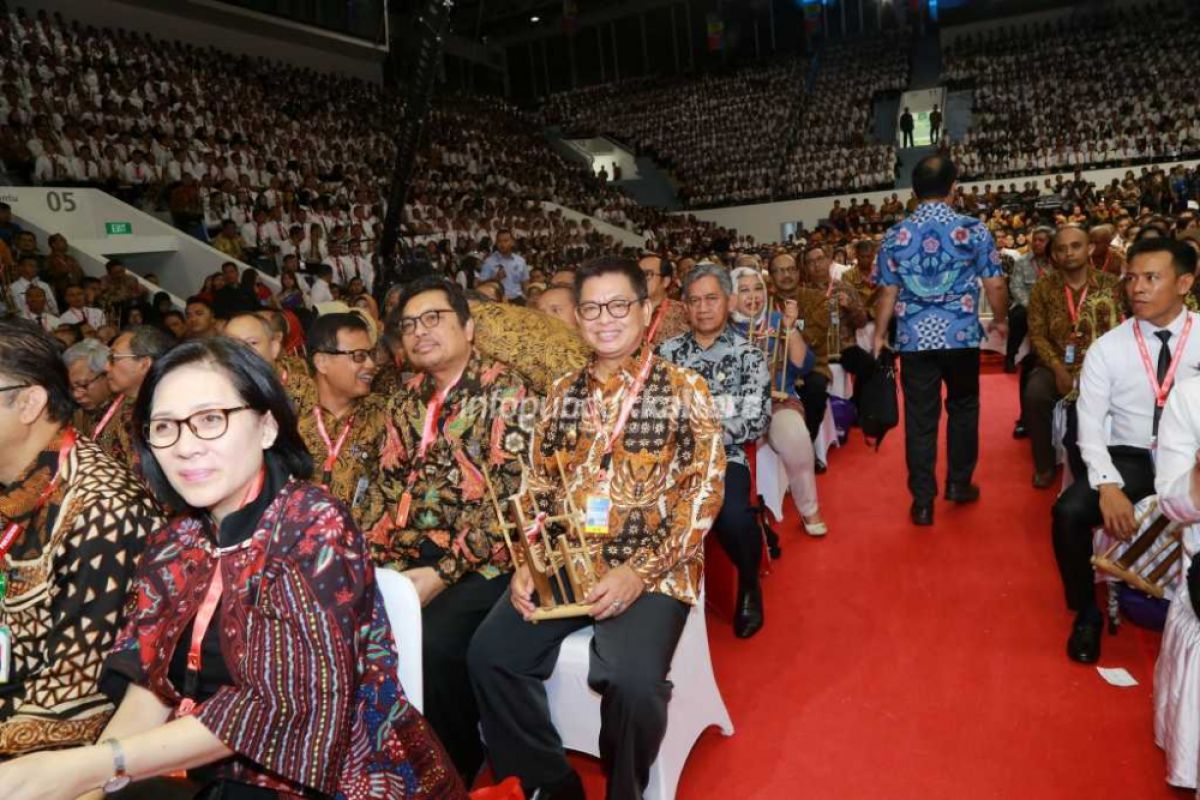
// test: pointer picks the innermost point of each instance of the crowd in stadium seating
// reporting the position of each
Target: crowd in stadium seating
(832, 147)
(1079, 92)
(721, 133)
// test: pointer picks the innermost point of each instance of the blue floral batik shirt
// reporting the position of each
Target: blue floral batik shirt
(937, 257)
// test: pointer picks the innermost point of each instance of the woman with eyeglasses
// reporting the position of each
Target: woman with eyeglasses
(789, 359)
(256, 653)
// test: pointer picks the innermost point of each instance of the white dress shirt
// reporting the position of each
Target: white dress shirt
(21, 285)
(1114, 385)
(320, 293)
(48, 321)
(92, 316)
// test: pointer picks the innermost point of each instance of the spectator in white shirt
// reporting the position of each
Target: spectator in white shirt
(27, 268)
(77, 312)
(1118, 415)
(506, 266)
(35, 309)
(320, 291)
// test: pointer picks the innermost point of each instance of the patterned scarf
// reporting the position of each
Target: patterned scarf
(18, 500)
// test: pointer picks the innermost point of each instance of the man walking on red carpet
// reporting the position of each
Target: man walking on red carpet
(930, 266)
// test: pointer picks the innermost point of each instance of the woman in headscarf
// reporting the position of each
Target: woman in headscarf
(789, 360)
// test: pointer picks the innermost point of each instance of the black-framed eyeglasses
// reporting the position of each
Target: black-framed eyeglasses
(15, 387)
(617, 309)
(429, 319)
(82, 386)
(357, 356)
(209, 424)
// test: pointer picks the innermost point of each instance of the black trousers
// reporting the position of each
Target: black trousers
(1077, 511)
(922, 375)
(448, 623)
(630, 657)
(814, 396)
(1018, 327)
(736, 527)
(906, 139)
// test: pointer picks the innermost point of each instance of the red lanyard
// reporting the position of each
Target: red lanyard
(1161, 391)
(13, 530)
(1072, 309)
(208, 608)
(829, 290)
(429, 432)
(107, 418)
(332, 451)
(626, 406)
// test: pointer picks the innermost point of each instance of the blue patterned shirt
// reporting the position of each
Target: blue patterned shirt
(937, 258)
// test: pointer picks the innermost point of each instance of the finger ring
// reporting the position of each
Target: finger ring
(617, 604)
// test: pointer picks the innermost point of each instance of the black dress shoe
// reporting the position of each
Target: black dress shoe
(749, 617)
(1084, 644)
(921, 513)
(819, 467)
(1019, 431)
(1044, 480)
(569, 788)
(1010, 366)
(774, 548)
(962, 492)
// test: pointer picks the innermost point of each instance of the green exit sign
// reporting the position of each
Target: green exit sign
(118, 228)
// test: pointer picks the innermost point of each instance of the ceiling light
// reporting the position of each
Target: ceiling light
(535, 19)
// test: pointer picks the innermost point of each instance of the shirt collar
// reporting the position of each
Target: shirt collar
(725, 337)
(1175, 326)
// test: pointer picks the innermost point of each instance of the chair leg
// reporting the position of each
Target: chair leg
(1114, 608)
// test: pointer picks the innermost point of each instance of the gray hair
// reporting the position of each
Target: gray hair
(708, 270)
(146, 341)
(94, 351)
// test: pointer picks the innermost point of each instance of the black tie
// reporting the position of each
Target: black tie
(1164, 366)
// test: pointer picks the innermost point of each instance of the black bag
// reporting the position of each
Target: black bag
(878, 404)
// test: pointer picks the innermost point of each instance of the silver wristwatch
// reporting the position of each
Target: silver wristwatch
(120, 778)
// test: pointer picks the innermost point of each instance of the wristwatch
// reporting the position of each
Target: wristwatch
(120, 778)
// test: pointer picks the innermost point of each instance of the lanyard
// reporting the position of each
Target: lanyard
(429, 431)
(658, 318)
(14, 529)
(829, 290)
(639, 382)
(1161, 391)
(208, 608)
(332, 451)
(1072, 309)
(108, 415)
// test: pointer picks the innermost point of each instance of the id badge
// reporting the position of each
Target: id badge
(834, 319)
(595, 515)
(5, 653)
(1069, 354)
(360, 491)
(800, 325)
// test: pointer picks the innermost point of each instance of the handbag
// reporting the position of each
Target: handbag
(878, 402)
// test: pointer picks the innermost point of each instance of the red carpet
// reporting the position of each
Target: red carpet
(902, 662)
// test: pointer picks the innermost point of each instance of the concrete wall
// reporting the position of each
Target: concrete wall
(765, 221)
(225, 28)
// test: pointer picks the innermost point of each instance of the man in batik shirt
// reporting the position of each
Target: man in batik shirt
(132, 354)
(668, 317)
(661, 482)
(64, 577)
(429, 513)
(737, 376)
(339, 418)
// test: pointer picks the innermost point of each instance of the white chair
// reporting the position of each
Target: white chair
(695, 702)
(403, 606)
(827, 436)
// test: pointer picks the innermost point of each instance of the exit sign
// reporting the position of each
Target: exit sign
(118, 228)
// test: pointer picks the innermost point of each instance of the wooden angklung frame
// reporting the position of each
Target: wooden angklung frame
(1150, 561)
(564, 572)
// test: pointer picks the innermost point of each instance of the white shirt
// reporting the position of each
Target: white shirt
(1178, 443)
(21, 285)
(320, 293)
(48, 321)
(1114, 385)
(92, 316)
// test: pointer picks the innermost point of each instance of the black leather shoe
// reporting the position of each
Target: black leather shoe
(962, 492)
(1084, 644)
(921, 513)
(1010, 366)
(1044, 480)
(749, 617)
(1019, 431)
(819, 467)
(774, 548)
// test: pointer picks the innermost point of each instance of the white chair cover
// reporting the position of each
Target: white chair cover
(827, 437)
(771, 477)
(839, 383)
(1177, 680)
(695, 701)
(403, 606)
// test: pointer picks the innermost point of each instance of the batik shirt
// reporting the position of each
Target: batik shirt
(738, 381)
(666, 476)
(674, 320)
(539, 347)
(314, 704)
(867, 287)
(1050, 326)
(358, 459)
(117, 437)
(67, 578)
(937, 257)
(484, 423)
(815, 321)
